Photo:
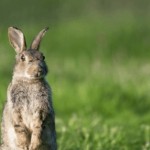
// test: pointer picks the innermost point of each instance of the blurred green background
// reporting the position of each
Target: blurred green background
(98, 53)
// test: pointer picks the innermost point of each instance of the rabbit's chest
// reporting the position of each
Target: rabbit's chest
(28, 100)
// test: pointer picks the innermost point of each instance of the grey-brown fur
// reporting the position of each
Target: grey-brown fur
(28, 121)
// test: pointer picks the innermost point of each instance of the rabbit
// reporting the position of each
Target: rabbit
(28, 120)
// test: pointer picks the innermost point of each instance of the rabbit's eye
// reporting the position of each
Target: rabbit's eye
(22, 57)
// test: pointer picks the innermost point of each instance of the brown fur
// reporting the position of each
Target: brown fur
(28, 121)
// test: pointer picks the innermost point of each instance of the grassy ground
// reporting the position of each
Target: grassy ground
(100, 76)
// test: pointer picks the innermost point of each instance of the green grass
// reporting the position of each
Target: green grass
(103, 106)
(100, 76)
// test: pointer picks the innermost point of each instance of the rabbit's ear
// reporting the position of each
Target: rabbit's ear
(17, 39)
(37, 40)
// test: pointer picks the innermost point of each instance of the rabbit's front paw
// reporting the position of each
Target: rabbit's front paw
(35, 144)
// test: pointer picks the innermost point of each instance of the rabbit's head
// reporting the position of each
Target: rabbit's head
(30, 63)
